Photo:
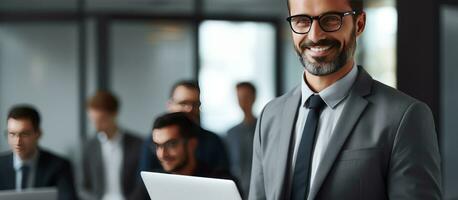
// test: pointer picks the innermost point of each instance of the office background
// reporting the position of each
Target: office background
(54, 54)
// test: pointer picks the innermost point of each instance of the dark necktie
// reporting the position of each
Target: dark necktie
(301, 176)
(25, 176)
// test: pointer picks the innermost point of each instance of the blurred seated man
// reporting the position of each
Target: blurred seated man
(239, 138)
(29, 166)
(185, 97)
(176, 139)
(110, 158)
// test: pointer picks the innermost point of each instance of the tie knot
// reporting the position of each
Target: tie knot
(315, 102)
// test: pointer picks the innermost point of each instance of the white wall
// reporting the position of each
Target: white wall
(38, 66)
(147, 59)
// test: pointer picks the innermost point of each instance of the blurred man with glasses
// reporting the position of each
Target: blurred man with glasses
(176, 139)
(340, 134)
(29, 166)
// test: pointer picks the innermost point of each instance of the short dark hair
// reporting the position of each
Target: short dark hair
(104, 100)
(356, 5)
(189, 84)
(247, 85)
(26, 112)
(187, 128)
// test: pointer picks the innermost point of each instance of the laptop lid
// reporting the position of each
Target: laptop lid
(32, 194)
(178, 187)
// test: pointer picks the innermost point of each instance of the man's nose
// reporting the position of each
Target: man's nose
(159, 151)
(316, 33)
(18, 140)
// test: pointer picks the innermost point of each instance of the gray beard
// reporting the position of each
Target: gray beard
(322, 68)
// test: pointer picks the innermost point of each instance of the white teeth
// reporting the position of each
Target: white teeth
(320, 49)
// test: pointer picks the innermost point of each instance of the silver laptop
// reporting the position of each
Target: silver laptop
(176, 187)
(33, 194)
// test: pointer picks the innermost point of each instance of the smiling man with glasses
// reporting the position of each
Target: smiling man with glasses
(340, 134)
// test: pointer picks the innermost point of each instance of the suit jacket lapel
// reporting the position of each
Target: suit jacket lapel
(356, 104)
(8, 174)
(41, 170)
(125, 162)
(288, 119)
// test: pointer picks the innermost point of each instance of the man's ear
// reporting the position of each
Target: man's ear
(360, 23)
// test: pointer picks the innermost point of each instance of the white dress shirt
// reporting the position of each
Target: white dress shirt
(335, 98)
(32, 163)
(112, 155)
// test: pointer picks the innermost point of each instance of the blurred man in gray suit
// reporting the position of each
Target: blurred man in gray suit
(111, 157)
(341, 134)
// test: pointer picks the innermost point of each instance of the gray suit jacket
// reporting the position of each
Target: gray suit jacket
(93, 184)
(385, 147)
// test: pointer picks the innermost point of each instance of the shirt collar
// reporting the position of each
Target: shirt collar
(115, 140)
(335, 93)
(18, 162)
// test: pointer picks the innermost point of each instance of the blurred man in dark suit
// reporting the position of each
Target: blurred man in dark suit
(110, 159)
(29, 166)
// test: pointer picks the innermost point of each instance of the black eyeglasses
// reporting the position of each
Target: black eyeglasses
(189, 104)
(329, 22)
(171, 144)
